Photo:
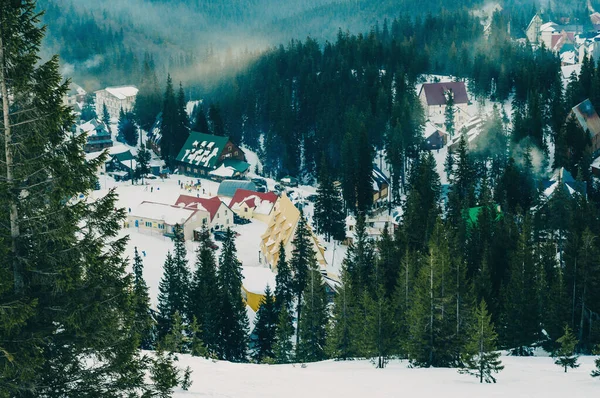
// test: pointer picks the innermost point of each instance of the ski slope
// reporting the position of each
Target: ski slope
(529, 377)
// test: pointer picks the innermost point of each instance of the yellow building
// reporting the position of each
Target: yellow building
(160, 219)
(256, 280)
(282, 228)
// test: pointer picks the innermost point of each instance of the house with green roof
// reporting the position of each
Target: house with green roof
(204, 153)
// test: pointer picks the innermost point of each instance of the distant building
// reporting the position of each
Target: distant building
(434, 137)
(589, 121)
(160, 219)
(434, 97)
(121, 165)
(203, 153)
(228, 188)
(252, 204)
(155, 135)
(214, 213)
(533, 29)
(74, 96)
(115, 99)
(281, 228)
(255, 281)
(97, 134)
(381, 186)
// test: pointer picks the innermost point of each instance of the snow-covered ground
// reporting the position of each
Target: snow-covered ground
(529, 377)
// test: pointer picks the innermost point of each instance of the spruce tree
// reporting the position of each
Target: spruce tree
(200, 123)
(105, 116)
(142, 163)
(164, 374)
(65, 294)
(127, 130)
(148, 100)
(596, 371)
(378, 334)
(168, 128)
(283, 346)
(342, 333)
(284, 282)
(480, 357)
(182, 130)
(197, 347)
(174, 341)
(314, 318)
(233, 328)
(329, 213)
(265, 326)
(141, 304)
(203, 301)
(166, 297)
(565, 356)
(88, 111)
(303, 255)
(449, 113)
(182, 270)
(216, 120)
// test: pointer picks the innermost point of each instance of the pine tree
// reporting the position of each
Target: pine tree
(303, 255)
(174, 341)
(182, 129)
(216, 120)
(200, 123)
(166, 297)
(141, 304)
(565, 355)
(265, 327)
(329, 214)
(283, 347)
(284, 282)
(479, 357)
(313, 319)
(88, 111)
(170, 116)
(203, 302)
(197, 347)
(127, 130)
(65, 294)
(378, 334)
(342, 334)
(233, 328)
(105, 115)
(164, 374)
(142, 163)
(186, 380)
(148, 100)
(449, 113)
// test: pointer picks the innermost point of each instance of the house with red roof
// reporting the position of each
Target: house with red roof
(435, 96)
(251, 204)
(214, 213)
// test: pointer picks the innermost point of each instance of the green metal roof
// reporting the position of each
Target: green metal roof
(239, 165)
(473, 214)
(202, 150)
(123, 156)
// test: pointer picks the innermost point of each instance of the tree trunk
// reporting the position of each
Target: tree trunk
(8, 153)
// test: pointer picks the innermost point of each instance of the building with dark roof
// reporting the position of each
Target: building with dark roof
(589, 121)
(434, 98)
(203, 153)
(97, 134)
(381, 186)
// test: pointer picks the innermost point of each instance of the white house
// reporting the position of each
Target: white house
(116, 98)
(159, 219)
(435, 96)
(216, 214)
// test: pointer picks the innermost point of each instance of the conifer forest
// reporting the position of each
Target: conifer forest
(187, 186)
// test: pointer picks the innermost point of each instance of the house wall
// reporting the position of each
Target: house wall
(231, 151)
(113, 104)
(252, 299)
(437, 114)
(159, 227)
(223, 219)
(244, 211)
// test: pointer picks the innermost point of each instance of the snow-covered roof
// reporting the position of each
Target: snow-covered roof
(256, 279)
(223, 171)
(122, 92)
(159, 211)
(548, 27)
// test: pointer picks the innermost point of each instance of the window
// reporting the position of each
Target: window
(235, 153)
(218, 215)
(161, 226)
(227, 222)
(148, 224)
(225, 212)
(245, 210)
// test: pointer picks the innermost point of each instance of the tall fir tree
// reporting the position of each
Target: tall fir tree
(341, 338)
(168, 128)
(303, 255)
(203, 301)
(105, 115)
(127, 129)
(233, 328)
(265, 327)
(65, 294)
(329, 213)
(142, 160)
(480, 357)
(216, 120)
(378, 334)
(144, 324)
(88, 112)
(449, 113)
(166, 297)
(283, 348)
(200, 122)
(314, 317)
(284, 282)
(148, 100)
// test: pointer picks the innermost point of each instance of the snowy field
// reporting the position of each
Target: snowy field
(530, 377)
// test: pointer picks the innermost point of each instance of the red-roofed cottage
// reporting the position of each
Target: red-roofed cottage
(216, 214)
(434, 97)
(252, 204)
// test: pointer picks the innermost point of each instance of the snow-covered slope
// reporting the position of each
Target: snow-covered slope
(529, 377)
